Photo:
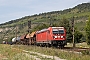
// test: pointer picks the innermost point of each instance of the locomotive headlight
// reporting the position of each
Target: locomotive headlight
(55, 36)
(61, 36)
(58, 36)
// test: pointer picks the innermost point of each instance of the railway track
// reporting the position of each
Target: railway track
(76, 49)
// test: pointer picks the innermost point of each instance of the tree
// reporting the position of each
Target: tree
(65, 23)
(88, 31)
(40, 26)
(78, 35)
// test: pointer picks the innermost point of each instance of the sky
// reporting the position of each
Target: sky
(15, 9)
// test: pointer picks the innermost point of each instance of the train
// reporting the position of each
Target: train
(51, 36)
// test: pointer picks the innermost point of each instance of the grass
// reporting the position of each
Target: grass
(15, 52)
(57, 52)
(11, 53)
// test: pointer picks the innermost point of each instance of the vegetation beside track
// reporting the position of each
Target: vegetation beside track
(15, 52)
(8, 52)
(57, 52)
(82, 45)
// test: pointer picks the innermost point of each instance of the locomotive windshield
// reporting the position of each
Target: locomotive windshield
(58, 31)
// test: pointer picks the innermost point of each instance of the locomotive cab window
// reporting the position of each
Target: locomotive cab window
(61, 31)
(58, 31)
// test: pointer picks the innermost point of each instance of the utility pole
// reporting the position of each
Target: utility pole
(29, 26)
(73, 32)
(16, 32)
(29, 31)
(50, 21)
(16, 35)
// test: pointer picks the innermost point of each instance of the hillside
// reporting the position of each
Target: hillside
(81, 13)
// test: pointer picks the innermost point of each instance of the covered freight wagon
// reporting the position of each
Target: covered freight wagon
(31, 38)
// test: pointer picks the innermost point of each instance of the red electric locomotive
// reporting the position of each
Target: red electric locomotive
(53, 36)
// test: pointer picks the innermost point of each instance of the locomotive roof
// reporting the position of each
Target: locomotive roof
(58, 27)
(42, 30)
(49, 27)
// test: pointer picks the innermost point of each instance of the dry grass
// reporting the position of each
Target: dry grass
(56, 52)
(9, 52)
(15, 52)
